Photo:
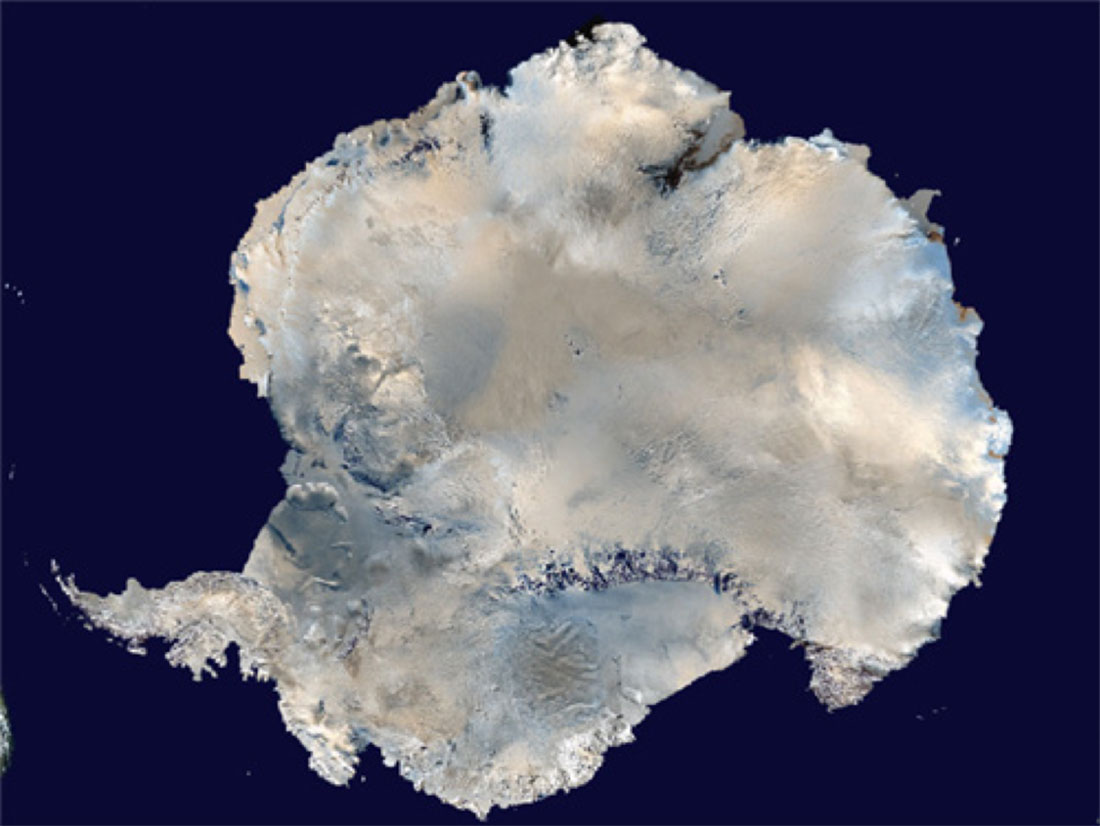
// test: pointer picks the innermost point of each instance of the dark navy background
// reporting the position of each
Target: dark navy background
(136, 139)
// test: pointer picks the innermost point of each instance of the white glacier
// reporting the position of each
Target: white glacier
(580, 385)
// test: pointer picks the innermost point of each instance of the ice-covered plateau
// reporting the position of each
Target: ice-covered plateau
(581, 386)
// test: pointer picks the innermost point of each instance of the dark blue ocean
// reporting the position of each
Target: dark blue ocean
(136, 139)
